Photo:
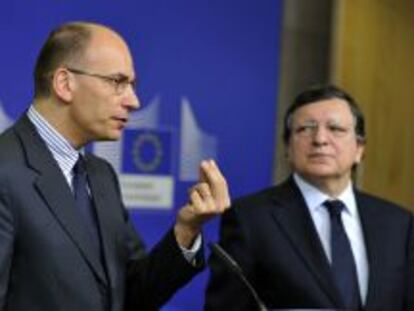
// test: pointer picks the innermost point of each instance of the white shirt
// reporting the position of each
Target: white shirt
(314, 199)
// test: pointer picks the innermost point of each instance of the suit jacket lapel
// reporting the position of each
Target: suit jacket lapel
(100, 190)
(374, 243)
(294, 218)
(53, 188)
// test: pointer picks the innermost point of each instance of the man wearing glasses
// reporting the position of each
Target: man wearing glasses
(66, 242)
(315, 241)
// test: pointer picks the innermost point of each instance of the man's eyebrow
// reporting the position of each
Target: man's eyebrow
(120, 75)
(124, 76)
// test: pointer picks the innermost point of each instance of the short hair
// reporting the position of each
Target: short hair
(319, 93)
(64, 44)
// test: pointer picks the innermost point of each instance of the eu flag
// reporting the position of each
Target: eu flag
(147, 151)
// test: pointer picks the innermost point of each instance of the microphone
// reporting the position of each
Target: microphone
(230, 263)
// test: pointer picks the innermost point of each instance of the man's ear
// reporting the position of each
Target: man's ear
(62, 84)
(360, 153)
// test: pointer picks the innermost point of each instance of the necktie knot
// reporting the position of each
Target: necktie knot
(335, 207)
(79, 167)
(79, 182)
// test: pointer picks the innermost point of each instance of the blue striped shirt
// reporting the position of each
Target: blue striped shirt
(62, 151)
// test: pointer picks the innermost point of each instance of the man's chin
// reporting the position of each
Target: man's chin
(322, 173)
(109, 137)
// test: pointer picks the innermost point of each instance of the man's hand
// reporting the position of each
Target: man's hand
(208, 198)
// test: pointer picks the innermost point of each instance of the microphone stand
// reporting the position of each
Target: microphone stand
(235, 268)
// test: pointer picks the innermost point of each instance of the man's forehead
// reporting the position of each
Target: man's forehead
(102, 37)
(108, 52)
(325, 109)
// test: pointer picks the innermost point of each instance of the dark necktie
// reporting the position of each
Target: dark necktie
(343, 264)
(84, 203)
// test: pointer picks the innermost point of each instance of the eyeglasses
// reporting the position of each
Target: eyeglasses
(119, 82)
(310, 128)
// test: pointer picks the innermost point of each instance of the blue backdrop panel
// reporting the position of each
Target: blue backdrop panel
(207, 74)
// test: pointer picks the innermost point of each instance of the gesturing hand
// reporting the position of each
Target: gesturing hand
(208, 198)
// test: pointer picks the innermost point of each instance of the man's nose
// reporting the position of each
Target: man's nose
(131, 101)
(320, 135)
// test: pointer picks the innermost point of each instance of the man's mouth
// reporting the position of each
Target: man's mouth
(320, 156)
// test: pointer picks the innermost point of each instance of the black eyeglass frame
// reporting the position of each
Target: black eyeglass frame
(120, 82)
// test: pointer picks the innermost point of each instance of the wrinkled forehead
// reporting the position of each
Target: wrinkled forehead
(325, 111)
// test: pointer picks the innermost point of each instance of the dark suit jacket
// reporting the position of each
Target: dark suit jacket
(273, 238)
(46, 262)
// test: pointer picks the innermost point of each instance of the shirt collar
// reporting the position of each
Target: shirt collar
(315, 198)
(60, 147)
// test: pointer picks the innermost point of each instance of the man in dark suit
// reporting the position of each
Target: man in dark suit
(297, 249)
(66, 242)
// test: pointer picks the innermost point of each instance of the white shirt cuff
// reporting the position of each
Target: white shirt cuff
(189, 254)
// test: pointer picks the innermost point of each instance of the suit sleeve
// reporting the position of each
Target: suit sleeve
(6, 245)
(225, 290)
(153, 278)
(158, 275)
